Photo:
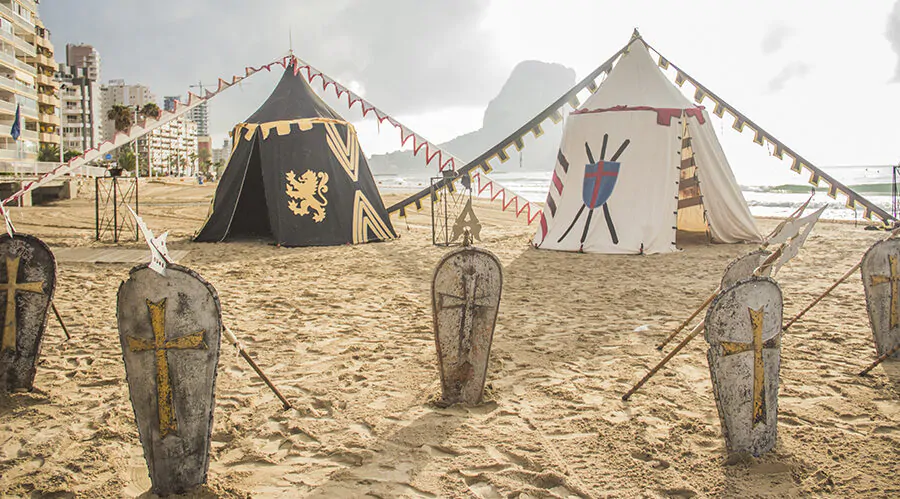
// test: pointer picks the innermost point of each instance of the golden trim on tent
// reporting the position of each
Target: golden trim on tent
(346, 152)
(365, 218)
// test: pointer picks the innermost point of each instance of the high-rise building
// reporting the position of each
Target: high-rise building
(84, 57)
(220, 156)
(47, 87)
(18, 79)
(170, 149)
(80, 105)
(200, 116)
(169, 102)
(116, 92)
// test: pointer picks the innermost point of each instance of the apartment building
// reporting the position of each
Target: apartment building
(116, 92)
(170, 149)
(80, 97)
(80, 107)
(20, 80)
(200, 116)
(47, 88)
(221, 155)
(85, 57)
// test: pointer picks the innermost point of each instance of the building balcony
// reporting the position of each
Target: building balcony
(6, 127)
(41, 60)
(16, 87)
(48, 100)
(7, 107)
(52, 138)
(44, 42)
(51, 119)
(19, 43)
(43, 79)
(20, 22)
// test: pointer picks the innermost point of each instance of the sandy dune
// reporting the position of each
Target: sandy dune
(345, 332)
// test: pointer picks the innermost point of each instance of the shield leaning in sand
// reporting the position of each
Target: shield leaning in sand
(465, 295)
(743, 329)
(880, 270)
(28, 280)
(170, 328)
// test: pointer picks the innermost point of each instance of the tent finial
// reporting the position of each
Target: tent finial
(635, 35)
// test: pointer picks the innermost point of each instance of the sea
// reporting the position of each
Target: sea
(873, 183)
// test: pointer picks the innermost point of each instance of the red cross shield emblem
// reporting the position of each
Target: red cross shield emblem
(599, 182)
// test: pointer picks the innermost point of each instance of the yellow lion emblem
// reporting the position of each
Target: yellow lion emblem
(308, 193)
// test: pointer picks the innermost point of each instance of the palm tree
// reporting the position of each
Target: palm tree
(123, 117)
(150, 110)
(49, 153)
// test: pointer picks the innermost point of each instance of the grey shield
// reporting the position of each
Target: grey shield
(28, 280)
(881, 280)
(743, 267)
(743, 329)
(170, 328)
(465, 298)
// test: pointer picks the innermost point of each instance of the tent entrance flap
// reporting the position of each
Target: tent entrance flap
(251, 216)
(691, 212)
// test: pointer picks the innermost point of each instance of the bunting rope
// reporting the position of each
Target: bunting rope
(147, 125)
(762, 137)
(431, 151)
(553, 112)
(444, 159)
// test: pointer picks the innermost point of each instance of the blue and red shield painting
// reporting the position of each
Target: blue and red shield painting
(599, 182)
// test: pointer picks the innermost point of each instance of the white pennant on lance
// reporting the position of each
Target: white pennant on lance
(789, 227)
(159, 254)
(791, 249)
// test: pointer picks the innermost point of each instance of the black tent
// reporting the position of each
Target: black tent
(297, 176)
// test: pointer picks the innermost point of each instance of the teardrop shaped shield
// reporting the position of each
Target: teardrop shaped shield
(743, 267)
(743, 329)
(880, 270)
(27, 282)
(465, 299)
(170, 329)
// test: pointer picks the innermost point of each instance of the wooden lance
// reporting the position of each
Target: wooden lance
(159, 250)
(697, 330)
(836, 284)
(764, 245)
(240, 348)
(879, 360)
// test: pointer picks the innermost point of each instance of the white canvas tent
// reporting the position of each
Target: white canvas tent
(637, 161)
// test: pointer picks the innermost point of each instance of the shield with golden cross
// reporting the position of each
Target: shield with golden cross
(743, 329)
(465, 295)
(27, 283)
(743, 267)
(881, 280)
(170, 329)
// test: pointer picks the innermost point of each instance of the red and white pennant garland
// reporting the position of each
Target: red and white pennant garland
(137, 130)
(494, 189)
(507, 198)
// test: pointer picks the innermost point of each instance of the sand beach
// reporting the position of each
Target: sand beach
(346, 334)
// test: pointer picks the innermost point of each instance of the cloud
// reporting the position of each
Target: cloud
(409, 56)
(774, 37)
(893, 36)
(793, 70)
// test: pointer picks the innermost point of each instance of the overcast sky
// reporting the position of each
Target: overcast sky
(822, 76)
